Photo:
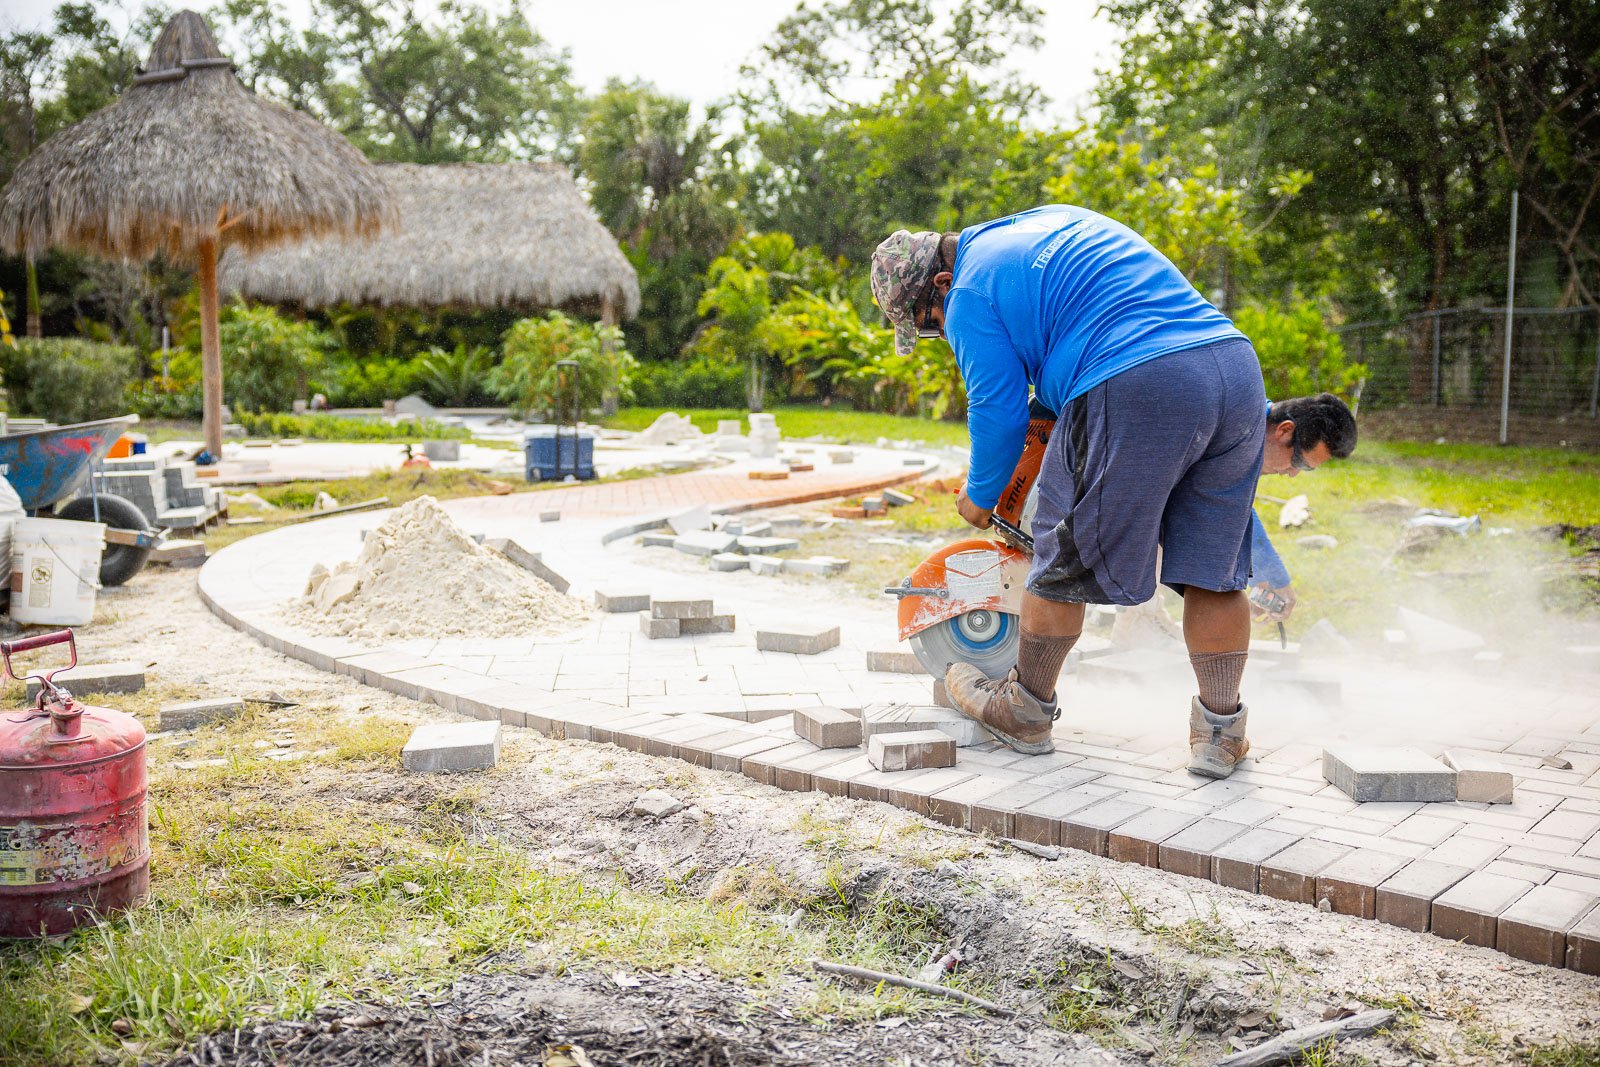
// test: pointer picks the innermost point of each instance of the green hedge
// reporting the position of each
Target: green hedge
(697, 383)
(67, 379)
(335, 428)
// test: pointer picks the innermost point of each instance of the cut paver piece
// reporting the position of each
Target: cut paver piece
(655, 628)
(766, 565)
(1406, 899)
(120, 677)
(658, 540)
(729, 561)
(1479, 779)
(914, 750)
(716, 624)
(1583, 944)
(657, 804)
(901, 718)
(1470, 910)
(801, 640)
(452, 746)
(193, 713)
(1350, 883)
(896, 498)
(1292, 873)
(1433, 637)
(620, 600)
(532, 562)
(766, 546)
(894, 661)
(1388, 775)
(705, 543)
(828, 727)
(941, 695)
(1535, 927)
(680, 609)
(696, 518)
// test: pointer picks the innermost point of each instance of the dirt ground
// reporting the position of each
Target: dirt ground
(1104, 962)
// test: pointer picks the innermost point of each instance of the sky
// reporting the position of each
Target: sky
(694, 48)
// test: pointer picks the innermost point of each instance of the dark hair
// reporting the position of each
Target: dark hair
(947, 249)
(1320, 419)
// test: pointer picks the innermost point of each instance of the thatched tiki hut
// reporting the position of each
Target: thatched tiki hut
(188, 160)
(468, 235)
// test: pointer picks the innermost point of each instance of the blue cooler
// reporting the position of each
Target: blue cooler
(555, 452)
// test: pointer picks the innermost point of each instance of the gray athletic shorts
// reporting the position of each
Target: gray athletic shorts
(1165, 454)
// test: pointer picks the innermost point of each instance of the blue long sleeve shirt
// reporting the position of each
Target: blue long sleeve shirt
(1265, 563)
(1061, 298)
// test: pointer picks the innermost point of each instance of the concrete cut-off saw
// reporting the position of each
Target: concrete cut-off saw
(963, 603)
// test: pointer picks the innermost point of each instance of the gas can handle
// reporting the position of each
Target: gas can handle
(28, 644)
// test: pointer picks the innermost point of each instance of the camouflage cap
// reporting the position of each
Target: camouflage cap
(901, 267)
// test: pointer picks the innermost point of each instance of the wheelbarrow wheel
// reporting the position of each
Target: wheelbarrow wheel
(120, 562)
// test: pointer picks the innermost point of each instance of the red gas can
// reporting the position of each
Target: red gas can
(74, 841)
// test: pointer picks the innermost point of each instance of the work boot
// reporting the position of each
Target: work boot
(1216, 742)
(1004, 706)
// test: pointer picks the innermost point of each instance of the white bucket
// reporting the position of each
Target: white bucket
(55, 571)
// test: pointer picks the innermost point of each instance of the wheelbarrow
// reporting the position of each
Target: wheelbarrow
(48, 466)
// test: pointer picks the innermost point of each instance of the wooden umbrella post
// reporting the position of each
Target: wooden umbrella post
(210, 348)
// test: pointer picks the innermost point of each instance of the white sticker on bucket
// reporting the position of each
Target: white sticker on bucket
(973, 575)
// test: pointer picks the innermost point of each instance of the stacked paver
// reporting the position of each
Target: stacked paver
(167, 494)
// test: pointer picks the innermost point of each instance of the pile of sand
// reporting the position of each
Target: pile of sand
(420, 575)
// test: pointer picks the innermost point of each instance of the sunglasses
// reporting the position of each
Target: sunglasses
(1297, 459)
(926, 331)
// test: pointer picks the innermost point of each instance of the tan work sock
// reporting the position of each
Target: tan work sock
(1218, 674)
(1039, 662)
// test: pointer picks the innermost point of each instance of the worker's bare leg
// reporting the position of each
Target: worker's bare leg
(1216, 627)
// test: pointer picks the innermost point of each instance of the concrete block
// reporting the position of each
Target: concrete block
(1388, 775)
(766, 546)
(1406, 898)
(828, 727)
(654, 628)
(178, 550)
(615, 599)
(658, 540)
(120, 677)
(1479, 779)
(1535, 927)
(549, 516)
(193, 713)
(1139, 839)
(532, 562)
(894, 661)
(843, 455)
(1470, 910)
(1088, 828)
(445, 450)
(845, 512)
(912, 461)
(910, 751)
(789, 523)
(696, 518)
(766, 566)
(898, 498)
(680, 609)
(941, 696)
(729, 561)
(705, 543)
(768, 476)
(1292, 873)
(1350, 883)
(1188, 851)
(801, 640)
(716, 624)
(902, 718)
(816, 566)
(797, 467)
(454, 746)
(1238, 862)
(1583, 944)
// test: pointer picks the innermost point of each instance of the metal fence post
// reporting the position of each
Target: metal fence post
(1511, 299)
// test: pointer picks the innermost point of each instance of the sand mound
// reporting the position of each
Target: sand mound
(420, 575)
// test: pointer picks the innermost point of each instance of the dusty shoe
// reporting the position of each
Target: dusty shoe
(1216, 742)
(1004, 706)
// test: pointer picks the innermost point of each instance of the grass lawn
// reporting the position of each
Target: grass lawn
(835, 424)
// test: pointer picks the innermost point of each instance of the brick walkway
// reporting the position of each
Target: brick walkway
(1524, 877)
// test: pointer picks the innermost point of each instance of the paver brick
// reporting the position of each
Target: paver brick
(762, 766)
(658, 540)
(835, 780)
(696, 518)
(532, 562)
(615, 599)
(193, 713)
(910, 751)
(1470, 910)
(1292, 873)
(766, 565)
(894, 661)
(1238, 862)
(680, 609)
(1583, 944)
(899, 718)
(1350, 883)
(828, 727)
(766, 546)
(1189, 850)
(816, 566)
(1041, 821)
(1535, 927)
(716, 624)
(453, 746)
(913, 792)
(801, 640)
(1479, 779)
(1406, 898)
(654, 628)
(1139, 839)
(1087, 829)
(997, 813)
(705, 543)
(120, 677)
(729, 561)
(1388, 774)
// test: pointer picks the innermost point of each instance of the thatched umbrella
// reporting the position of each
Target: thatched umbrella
(467, 234)
(185, 161)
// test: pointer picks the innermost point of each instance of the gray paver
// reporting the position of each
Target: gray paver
(1189, 850)
(801, 640)
(654, 628)
(1350, 883)
(1480, 779)
(766, 546)
(828, 727)
(705, 543)
(1388, 774)
(532, 562)
(1139, 839)
(1583, 944)
(1470, 910)
(1087, 829)
(1292, 873)
(1406, 898)
(680, 609)
(658, 540)
(715, 624)
(893, 661)
(766, 566)
(899, 718)
(615, 599)
(910, 751)
(696, 518)
(1238, 862)
(454, 746)
(996, 813)
(725, 562)
(193, 713)
(1041, 820)
(1535, 927)
(123, 676)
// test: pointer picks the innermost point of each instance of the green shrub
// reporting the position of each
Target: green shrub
(173, 395)
(527, 378)
(67, 379)
(691, 383)
(268, 360)
(456, 378)
(367, 383)
(335, 428)
(1299, 354)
